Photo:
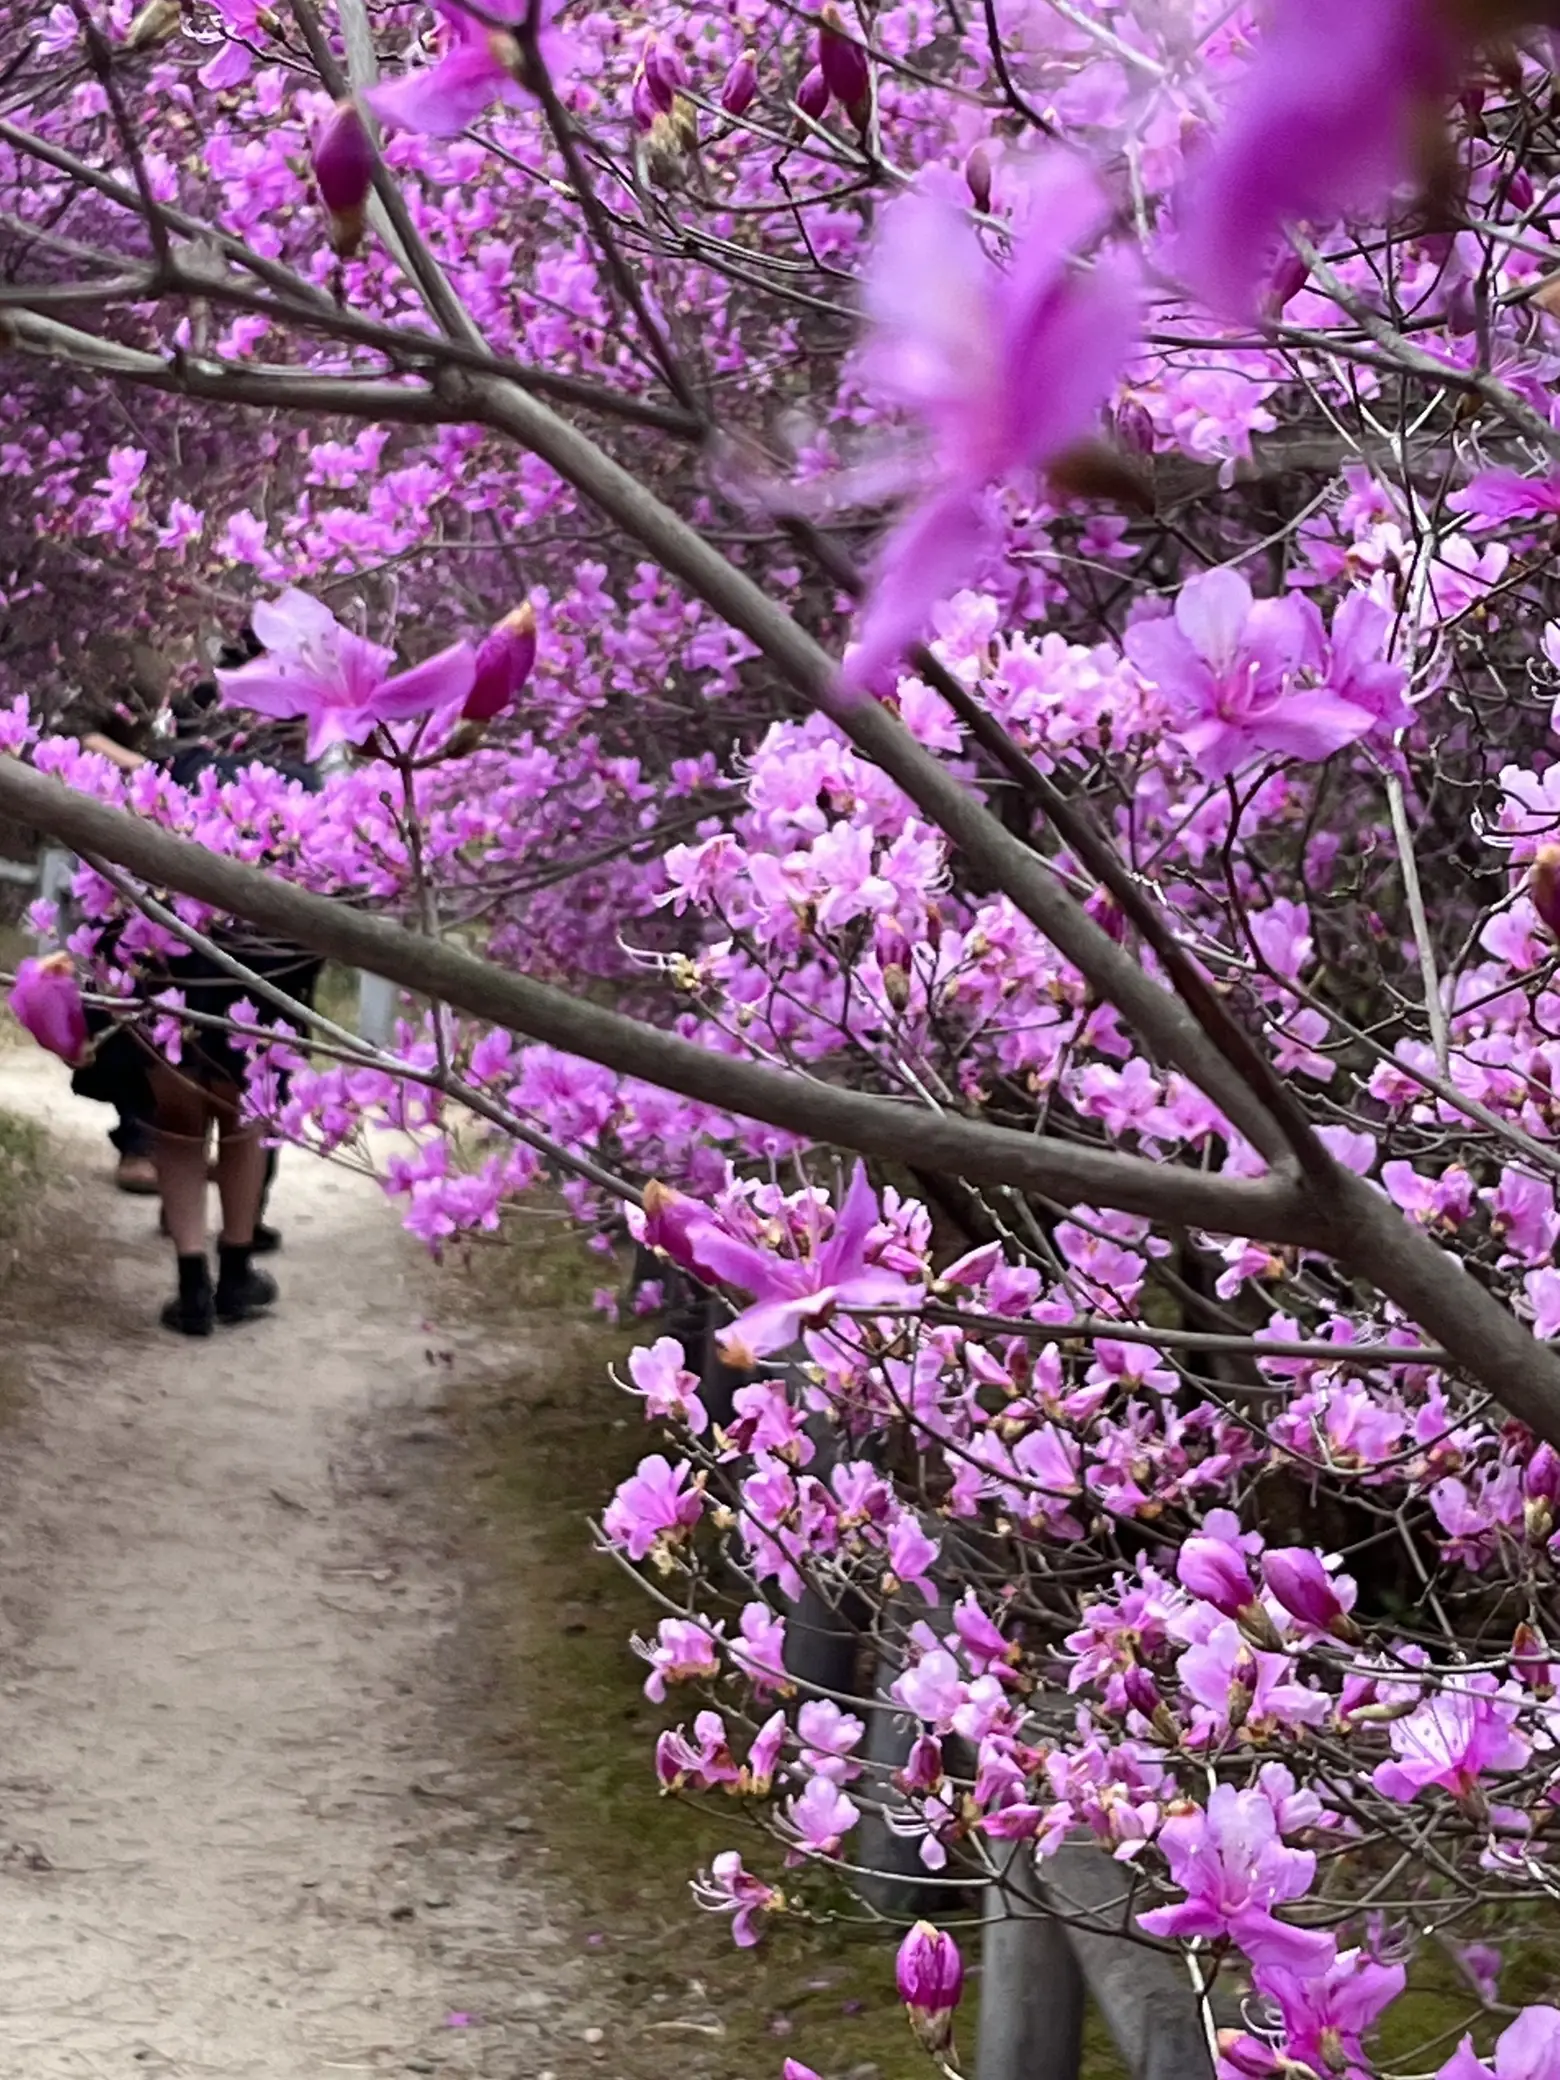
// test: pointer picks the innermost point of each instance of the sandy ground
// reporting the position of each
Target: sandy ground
(236, 1833)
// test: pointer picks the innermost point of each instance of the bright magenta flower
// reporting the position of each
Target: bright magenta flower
(479, 66)
(1326, 2016)
(504, 660)
(314, 667)
(1457, 1735)
(1234, 1868)
(46, 1002)
(1006, 369)
(1247, 678)
(1528, 2050)
(1301, 1583)
(1328, 120)
(929, 1973)
(796, 1292)
(344, 171)
(1215, 1571)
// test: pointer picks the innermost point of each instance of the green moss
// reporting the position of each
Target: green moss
(21, 1160)
(583, 1735)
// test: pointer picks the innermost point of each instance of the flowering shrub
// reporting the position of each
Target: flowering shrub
(975, 594)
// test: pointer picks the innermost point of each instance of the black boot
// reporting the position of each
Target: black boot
(193, 1311)
(242, 1292)
(267, 1240)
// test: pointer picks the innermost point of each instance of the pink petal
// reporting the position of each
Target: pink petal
(929, 555)
(439, 682)
(278, 688)
(1061, 367)
(292, 619)
(444, 99)
(1212, 612)
(926, 294)
(1311, 725)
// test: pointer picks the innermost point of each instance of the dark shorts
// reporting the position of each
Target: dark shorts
(211, 1056)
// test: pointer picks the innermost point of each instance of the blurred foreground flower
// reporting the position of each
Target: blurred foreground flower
(1339, 106)
(46, 1003)
(1006, 370)
(479, 65)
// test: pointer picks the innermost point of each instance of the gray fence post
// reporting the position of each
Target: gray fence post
(378, 1004)
(56, 871)
(1031, 1990)
(1144, 1995)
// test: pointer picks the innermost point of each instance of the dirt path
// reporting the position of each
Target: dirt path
(235, 1839)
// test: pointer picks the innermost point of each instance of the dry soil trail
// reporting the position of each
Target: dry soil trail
(233, 1840)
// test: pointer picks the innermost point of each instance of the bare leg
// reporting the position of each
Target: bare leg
(241, 1164)
(181, 1117)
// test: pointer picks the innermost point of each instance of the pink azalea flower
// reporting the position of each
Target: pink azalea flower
(1326, 2015)
(670, 1391)
(1501, 494)
(727, 1888)
(828, 1735)
(1528, 2050)
(46, 1003)
(795, 1291)
(1328, 120)
(1234, 1869)
(653, 1503)
(760, 1652)
(759, 1770)
(684, 1652)
(702, 1764)
(1005, 370)
(1223, 1670)
(1451, 1739)
(820, 1819)
(479, 66)
(1242, 677)
(341, 682)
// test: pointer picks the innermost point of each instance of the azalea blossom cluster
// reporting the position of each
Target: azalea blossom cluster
(1150, 412)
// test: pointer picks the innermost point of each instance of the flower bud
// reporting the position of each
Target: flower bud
(1214, 1571)
(930, 1975)
(1134, 427)
(1245, 2056)
(1299, 1581)
(46, 1003)
(977, 176)
(1530, 1661)
(1142, 1692)
(642, 102)
(344, 171)
(1544, 886)
(896, 986)
(741, 85)
(668, 1218)
(504, 660)
(812, 96)
(664, 74)
(1520, 191)
(844, 65)
(1288, 279)
(923, 1770)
